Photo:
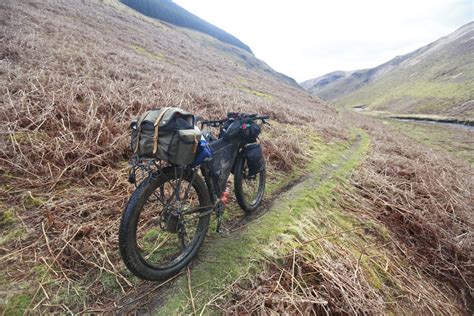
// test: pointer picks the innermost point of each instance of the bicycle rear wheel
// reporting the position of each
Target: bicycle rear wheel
(249, 190)
(164, 224)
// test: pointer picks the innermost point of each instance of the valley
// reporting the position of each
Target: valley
(433, 80)
(450, 135)
(426, 94)
(456, 139)
(362, 214)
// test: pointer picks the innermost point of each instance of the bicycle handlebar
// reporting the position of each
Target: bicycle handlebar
(231, 115)
(216, 123)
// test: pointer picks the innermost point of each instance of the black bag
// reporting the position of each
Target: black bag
(255, 160)
(251, 132)
(224, 153)
(231, 129)
(235, 128)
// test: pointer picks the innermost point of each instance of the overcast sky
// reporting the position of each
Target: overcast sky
(308, 38)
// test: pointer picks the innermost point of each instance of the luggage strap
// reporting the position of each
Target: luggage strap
(157, 125)
(195, 144)
(139, 129)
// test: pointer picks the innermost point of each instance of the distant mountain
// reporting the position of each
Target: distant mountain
(170, 12)
(435, 79)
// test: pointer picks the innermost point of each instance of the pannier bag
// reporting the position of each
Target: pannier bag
(167, 134)
(255, 160)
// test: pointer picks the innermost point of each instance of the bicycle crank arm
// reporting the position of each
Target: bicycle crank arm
(198, 209)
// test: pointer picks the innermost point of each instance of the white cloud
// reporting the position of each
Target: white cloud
(305, 39)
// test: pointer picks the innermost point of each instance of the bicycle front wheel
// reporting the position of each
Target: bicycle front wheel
(164, 223)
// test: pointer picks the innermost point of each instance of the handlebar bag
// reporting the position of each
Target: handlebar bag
(255, 160)
(250, 132)
(231, 130)
(167, 134)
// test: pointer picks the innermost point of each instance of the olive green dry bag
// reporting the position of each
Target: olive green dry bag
(167, 134)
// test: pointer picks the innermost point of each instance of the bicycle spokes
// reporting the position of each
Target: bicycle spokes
(164, 232)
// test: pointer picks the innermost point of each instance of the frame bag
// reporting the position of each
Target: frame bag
(224, 153)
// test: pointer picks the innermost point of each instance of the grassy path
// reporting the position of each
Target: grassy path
(224, 260)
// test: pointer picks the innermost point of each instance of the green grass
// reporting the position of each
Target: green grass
(327, 219)
(7, 217)
(15, 298)
(30, 201)
(456, 141)
(9, 231)
(226, 259)
(21, 298)
(109, 282)
(419, 117)
(17, 304)
(411, 96)
(152, 55)
(12, 235)
(432, 85)
(259, 94)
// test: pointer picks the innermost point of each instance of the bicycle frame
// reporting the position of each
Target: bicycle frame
(216, 172)
(168, 193)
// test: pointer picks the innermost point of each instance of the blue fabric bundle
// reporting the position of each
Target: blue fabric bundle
(204, 152)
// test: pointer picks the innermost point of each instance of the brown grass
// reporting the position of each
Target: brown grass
(421, 265)
(426, 199)
(72, 77)
(73, 74)
(333, 281)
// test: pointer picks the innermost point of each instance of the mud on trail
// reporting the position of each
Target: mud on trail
(247, 239)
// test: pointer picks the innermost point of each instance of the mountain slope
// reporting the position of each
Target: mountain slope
(167, 11)
(73, 74)
(434, 79)
(170, 12)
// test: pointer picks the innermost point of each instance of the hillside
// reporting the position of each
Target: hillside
(73, 75)
(170, 12)
(435, 79)
(167, 11)
(356, 217)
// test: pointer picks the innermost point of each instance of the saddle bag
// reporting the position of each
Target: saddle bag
(167, 134)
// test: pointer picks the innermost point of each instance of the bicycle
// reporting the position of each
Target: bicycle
(167, 217)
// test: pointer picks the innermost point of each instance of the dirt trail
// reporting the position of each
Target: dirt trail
(225, 258)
